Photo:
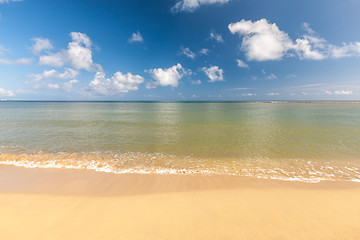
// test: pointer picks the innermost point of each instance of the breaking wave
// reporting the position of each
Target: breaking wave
(159, 163)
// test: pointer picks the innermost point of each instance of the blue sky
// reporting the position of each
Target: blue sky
(180, 50)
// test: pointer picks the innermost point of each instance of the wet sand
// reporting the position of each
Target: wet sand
(82, 204)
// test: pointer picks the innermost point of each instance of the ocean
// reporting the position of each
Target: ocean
(294, 141)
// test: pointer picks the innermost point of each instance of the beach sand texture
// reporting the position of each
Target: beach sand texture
(80, 204)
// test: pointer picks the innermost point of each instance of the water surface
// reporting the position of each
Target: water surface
(287, 140)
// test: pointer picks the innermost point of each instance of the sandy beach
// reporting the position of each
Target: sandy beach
(80, 204)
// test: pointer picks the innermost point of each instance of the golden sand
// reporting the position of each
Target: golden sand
(76, 204)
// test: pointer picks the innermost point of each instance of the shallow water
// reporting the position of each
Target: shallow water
(285, 140)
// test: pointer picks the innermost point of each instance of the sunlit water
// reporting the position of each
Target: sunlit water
(279, 140)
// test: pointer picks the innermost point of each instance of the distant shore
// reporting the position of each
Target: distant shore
(80, 204)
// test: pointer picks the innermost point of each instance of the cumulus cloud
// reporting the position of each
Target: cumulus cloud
(346, 50)
(167, 77)
(54, 59)
(313, 47)
(136, 37)
(192, 5)
(187, 52)
(214, 73)
(241, 64)
(68, 86)
(78, 54)
(264, 41)
(215, 36)
(22, 61)
(119, 83)
(261, 39)
(68, 73)
(310, 47)
(6, 93)
(45, 80)
(41, 44)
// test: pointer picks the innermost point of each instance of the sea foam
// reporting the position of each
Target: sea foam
(158, 163)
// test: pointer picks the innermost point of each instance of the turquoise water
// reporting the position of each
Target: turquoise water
(287, 140)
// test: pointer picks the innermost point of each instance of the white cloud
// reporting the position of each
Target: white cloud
(241, 64)
(119, 83)
(204, 51)
(23, 61)
(269, 76)
(291, 76)
(273, 94)
(196, 82)
(67, 74)
(248, 94)
(53, 86)
(214, 73)
(191, 5)
(136, 37)
(6, 93)
(310, 48)
(265, 41)
(45, 80)
(335, 89)
(187, 52)
(41, 44)
(78, 54)
(262, 40)
(215, 36)
(328, 92)
(307, 28)
(346, 50)
(68, 86)
(168, 76)
(339, 92)
(343, 92)
(54, 59)
(79, 51)
(310, 86)
(80, 38)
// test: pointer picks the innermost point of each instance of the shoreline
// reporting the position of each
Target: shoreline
(81, 204)
(292, 170)
(88, 182)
